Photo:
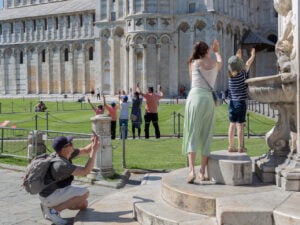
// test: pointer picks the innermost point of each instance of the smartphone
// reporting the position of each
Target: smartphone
(94, 133)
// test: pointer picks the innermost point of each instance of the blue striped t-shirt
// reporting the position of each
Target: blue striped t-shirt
(238, 89)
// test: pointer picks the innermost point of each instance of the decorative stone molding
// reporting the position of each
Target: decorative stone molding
(151, 21)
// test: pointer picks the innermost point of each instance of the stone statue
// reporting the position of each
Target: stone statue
(284, 46)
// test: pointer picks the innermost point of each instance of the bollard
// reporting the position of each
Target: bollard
(47, 120)
(248, 126)
(123, 147)
(174, 123)
(178, 134)
(36, 121)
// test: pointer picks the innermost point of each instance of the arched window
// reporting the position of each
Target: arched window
(81, 20)
(69, 21)
(44, 56)
(66, 55)
(24, 26)
(139, 61)
(91, 53)
(21, 57)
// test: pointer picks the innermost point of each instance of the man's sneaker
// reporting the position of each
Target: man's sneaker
(52, 215)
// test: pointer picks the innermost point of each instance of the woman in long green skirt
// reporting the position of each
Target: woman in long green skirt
(200, 108)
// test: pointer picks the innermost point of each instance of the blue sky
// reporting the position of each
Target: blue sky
(1, 4)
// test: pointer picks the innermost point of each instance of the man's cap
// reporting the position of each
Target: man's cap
(235, 64)
(60, 141)
(125, 98)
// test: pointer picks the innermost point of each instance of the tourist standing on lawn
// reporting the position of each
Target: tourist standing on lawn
(136, 114)
(124, 115)
(238, 95)
(199, 116)
(112, 112)
(152, 100)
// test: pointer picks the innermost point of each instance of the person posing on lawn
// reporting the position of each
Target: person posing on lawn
(98, 110)
(112, 112)
(152, 100)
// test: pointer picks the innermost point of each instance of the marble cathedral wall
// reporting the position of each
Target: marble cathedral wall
(120, 43)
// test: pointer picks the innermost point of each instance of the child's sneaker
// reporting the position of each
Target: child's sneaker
(52, 215)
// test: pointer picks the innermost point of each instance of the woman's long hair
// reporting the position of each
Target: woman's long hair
(200, 50)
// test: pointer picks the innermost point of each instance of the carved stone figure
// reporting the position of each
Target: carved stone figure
(284, 46)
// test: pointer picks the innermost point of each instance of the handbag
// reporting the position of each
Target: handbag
(215, 96)
(133, 117)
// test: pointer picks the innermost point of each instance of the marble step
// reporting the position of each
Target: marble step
(289, 212)
(151, 209)
(253, 208)
(201, 197)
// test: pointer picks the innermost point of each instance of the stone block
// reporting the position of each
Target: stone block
(288, 212)
(230, 168)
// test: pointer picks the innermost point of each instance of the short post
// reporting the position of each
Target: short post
(36, 121)
(174, 123)
(104, 166)
(248, 126)
(47, 120)
(123, 147)
(178, 132)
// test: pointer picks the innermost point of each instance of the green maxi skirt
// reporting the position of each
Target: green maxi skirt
(199, 121)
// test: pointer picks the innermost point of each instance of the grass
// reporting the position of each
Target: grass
(164, 153)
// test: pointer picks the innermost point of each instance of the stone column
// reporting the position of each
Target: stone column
(108, 8)
(132, 67)
(124, 79)
(144, 76)
(131, 7)
(101, 71)
(158, 67)
(112, 65)
(143, 6)
(104, 166)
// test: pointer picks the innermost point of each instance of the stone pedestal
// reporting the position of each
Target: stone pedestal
(36, 144)
(288, 174)
(230, 168)
(104, 166)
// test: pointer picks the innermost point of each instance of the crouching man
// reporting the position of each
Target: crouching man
(62, 194)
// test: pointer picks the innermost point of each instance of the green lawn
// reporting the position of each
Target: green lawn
(164, 153)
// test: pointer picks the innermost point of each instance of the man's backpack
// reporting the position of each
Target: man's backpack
(34, 180)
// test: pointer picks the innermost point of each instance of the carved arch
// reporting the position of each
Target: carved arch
(151, 39)
(228, 29)
(118, 31)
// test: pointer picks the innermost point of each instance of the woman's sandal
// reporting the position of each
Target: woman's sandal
(191, 178)
(241, 150)
(202, 176)
(232, 149)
